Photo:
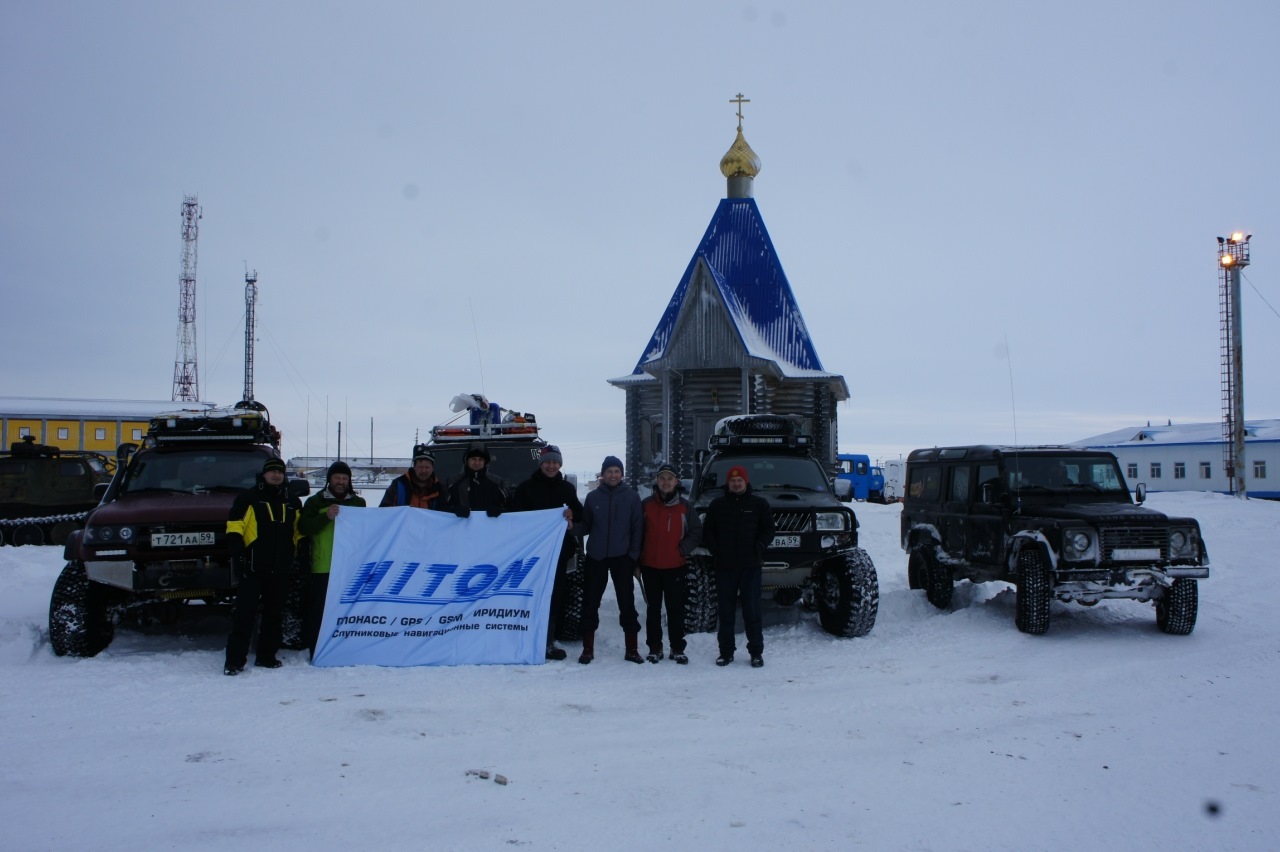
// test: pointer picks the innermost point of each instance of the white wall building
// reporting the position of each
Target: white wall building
(1189, 457)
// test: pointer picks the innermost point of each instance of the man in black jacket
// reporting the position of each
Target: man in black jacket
(476, 488)
(737, 529)
(548, 489)
(262, 532)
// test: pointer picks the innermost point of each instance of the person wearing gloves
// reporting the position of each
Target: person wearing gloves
(672, 531)
(419, 486)
(262, 532)
(316, 522)
(476, 488)
(737, 529)
(613, 524)
(547, 488)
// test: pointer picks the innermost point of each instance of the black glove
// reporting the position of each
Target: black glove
(494, 512)
(462, 511)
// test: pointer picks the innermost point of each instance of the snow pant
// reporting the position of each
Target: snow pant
(733, 583)
(264, 592)
(317, 592)
(665, 586)
(598, 572)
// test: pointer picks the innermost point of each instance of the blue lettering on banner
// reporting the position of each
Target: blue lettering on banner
(415, 584)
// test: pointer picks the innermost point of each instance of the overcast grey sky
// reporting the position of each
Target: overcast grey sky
(501, 197)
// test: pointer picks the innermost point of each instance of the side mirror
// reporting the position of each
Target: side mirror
(844, 489)
(299, 488)
(1142, 493)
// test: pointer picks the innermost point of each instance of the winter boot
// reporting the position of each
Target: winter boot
(633, 648)
(553, 653)
(588, 647)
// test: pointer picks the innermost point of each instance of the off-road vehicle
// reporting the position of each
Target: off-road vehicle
(514, 445)
(155, 548)
(814, 560)
(1057, 522)
(45, 492)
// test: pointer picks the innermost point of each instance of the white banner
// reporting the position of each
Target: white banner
(412, 587)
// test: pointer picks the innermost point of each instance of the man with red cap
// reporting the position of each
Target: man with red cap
(737, 529)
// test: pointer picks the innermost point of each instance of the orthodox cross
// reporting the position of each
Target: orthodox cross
(740, 100)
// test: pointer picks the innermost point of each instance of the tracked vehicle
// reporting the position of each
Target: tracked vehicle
(46, 492)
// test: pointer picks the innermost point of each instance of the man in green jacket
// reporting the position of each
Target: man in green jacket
(316, 522)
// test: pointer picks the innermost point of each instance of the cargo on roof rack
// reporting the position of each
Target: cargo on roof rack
(238, 423)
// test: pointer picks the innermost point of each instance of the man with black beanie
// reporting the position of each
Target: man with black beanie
(613, 524)
(547, 488)
(316, 522)
(477, 488)
(262, 531)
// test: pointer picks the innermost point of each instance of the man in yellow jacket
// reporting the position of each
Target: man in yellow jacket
(262, 532)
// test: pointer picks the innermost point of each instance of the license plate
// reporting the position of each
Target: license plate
(184, 539)
(1135, 554)
(786, 541)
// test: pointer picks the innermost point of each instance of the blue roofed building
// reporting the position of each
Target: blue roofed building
(731, 341)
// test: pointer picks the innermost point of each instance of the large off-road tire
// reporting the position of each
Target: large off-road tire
(848, 594)
(936, 577)
(701, 606)
(1176, 611)
(79, 623)
(1035, 591)
(569, 623)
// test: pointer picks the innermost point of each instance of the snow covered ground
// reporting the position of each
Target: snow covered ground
(937, 731)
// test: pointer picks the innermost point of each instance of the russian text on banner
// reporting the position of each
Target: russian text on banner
(409, 587)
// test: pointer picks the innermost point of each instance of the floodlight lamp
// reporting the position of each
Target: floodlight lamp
(1226, 260)
(1221, 240)
(1237, 237)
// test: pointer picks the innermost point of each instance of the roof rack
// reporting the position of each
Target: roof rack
(238, 423)
(771, 430)
(486, 421)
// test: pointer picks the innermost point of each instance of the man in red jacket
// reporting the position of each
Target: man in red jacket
(671, 532)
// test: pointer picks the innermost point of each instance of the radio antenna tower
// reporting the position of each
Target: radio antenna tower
(250, 302)
(1233, 256)
(186, 373)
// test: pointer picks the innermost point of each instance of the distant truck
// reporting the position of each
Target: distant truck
(866, 480)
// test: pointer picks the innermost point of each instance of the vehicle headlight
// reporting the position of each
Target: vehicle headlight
(1182, 543)
(830, 521)
(1077, 544)
(105, 535)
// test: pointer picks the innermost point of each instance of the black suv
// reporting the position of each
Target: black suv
(814, 560)
(155, 547)
(1058, 522)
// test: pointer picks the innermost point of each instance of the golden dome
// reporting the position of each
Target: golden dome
(740, 160)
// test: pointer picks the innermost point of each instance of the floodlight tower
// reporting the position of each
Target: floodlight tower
(250, 302)
(1233, 256)
(186, 374)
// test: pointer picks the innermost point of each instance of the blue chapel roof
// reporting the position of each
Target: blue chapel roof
(741, 257)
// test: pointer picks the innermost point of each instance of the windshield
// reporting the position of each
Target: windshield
(1073, 473)
(790, 473)
(513, 463)
(194, 469)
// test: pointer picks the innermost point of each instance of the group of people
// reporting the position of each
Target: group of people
(651, 539)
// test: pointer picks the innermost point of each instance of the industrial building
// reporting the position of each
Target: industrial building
(99, 425)
(1190, 456)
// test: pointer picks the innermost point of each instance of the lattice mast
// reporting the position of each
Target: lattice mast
(1233, 256)
(186, 373)
(250, 325)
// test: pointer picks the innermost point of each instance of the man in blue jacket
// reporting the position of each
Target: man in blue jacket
(613, 523)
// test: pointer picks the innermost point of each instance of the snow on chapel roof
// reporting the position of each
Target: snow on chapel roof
(742, 260)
